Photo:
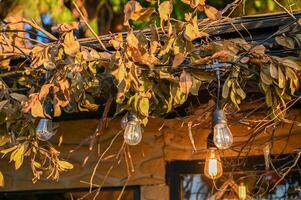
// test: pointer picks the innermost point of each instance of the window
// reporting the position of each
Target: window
(187, 182)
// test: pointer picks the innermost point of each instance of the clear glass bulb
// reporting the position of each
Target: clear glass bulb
(44, 129)
(242, 191)
(132, 133)
(213, 166)
(124, 121)
(222, 136)
(266, 154)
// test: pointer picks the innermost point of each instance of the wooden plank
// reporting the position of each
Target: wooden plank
(228, 25)
(178, 145)
(155, 192)
(160, 144)
(147, 157)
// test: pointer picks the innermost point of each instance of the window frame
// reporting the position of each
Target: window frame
(174, 169)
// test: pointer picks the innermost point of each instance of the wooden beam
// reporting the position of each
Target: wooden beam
(161, 143)
(225, 26)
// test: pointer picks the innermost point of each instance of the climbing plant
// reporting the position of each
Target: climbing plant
(146, 72)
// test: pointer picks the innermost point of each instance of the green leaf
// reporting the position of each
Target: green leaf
(143, 106)
(196, 84)
(94, 25)
(226, 88)
(240, 91)
(281, 78)
(234, 99)
(268, 97)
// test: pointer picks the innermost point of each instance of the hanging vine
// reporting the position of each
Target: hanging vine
(148, 73)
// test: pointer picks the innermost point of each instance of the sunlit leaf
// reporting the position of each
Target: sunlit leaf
(71, 45)
(212, 13)
(1, 179)
(185, 82)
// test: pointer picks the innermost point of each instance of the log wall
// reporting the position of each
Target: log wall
(162, 142)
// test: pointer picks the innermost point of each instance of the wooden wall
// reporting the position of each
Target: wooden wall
(162, 142)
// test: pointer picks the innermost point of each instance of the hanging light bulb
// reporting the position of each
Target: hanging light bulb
(222, 136)
(242, 191)
(44, 129)
(124, 121)
(266, 154)
(133, 131)
(213, 165)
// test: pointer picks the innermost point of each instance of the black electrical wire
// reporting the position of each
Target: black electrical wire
(218, 77)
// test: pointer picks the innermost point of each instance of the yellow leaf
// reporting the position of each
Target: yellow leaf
(44, 91)
(5, 151)
(133, 10)
(167, 46)
(192, 30)
(212, 13)
(4, 139)
(36, 164)
(1, 179)
(144, 121)
(143, 106)
(185, 82)
(37, 109)
(64, 165)
(71, 45)
(226, 88)
(178, 59)
(165, 9)
(57, 109)
(194, 3)
(60, 140)
(132, 40)
(19, 155)
(281, 78)
(195, 86)
(117, 42)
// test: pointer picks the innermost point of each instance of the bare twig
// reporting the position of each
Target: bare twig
(90, 28)
(37, 27)
(100, 159)
(285, 9)
(287, 171)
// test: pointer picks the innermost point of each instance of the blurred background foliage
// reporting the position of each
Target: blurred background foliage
(107, 15)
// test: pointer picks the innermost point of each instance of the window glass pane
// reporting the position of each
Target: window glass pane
(195, 186)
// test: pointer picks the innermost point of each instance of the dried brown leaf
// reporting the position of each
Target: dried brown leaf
(178, 59)
(212, 13)
(185, 82)
(71, 45)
